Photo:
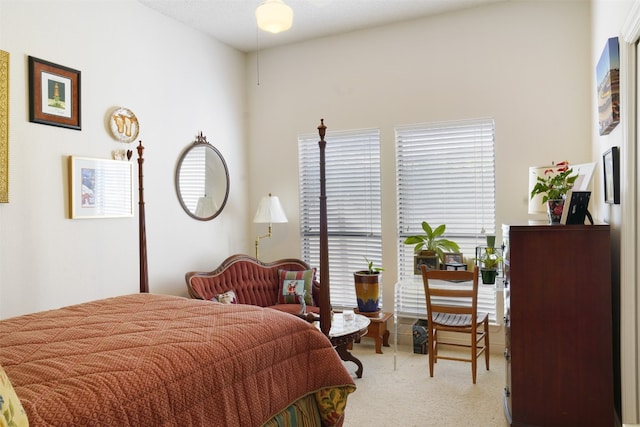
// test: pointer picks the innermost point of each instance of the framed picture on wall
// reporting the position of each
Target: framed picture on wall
(54, 94)
(608, 74)
(100, 188)
(611, 166)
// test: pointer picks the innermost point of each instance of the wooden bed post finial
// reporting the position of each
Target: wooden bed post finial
(322, 129)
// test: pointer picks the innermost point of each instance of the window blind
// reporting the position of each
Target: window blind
(352, 172)
(446, 175)
(193, 175)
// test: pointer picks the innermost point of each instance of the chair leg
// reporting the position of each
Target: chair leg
(474, 356)
(486, 343)
(432, 347)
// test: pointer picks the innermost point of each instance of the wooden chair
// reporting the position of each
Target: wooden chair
(454, 308)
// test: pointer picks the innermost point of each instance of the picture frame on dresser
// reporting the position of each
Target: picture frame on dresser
(54, 94)
(611, 173)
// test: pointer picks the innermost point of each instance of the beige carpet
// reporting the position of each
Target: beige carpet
(409, 397)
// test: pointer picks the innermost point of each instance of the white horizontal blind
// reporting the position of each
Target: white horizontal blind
(446, 175)
(352, 172)
(193, 172)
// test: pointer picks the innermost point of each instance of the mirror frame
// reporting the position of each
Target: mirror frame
(201, 141)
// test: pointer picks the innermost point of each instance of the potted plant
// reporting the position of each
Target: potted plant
(367, 284)
(553, 187)
(490, 261)
(431, 243)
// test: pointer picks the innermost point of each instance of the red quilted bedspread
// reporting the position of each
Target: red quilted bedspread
(157, 360)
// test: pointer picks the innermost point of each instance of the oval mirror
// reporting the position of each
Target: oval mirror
(202, 180)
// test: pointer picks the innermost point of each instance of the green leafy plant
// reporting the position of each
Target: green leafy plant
(432, 241)
(371, 269)
(555, 184)
(490, 260)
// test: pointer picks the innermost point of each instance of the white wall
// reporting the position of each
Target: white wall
(178, 82)
(611, 19)
(527, 64)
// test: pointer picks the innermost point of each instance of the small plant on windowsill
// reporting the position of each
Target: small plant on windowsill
(367, 283)
(490, 261)
(431, 243)
(370, 268)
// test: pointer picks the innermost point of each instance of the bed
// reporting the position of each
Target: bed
(158, 360)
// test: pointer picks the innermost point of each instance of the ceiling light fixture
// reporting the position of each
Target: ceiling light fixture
(274, 16)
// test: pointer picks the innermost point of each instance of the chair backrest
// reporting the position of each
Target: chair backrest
(452, 298)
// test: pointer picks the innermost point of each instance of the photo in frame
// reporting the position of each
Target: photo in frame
(432, 263)
(453, 258)
(611, 166)
(54, 94)
(608, 75)
(100, 188)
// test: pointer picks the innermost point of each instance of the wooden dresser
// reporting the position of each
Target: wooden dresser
(558, 325)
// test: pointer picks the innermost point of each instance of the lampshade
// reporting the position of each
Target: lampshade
(270, 211)
(274, 16)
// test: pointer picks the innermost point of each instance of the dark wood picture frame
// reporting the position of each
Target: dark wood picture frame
(54, 94)
(611, 173)
(432, 263)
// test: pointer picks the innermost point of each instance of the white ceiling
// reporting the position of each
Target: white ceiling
(233, 21)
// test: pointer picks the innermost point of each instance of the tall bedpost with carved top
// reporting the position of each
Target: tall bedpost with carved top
(144, 276)
(325, 298)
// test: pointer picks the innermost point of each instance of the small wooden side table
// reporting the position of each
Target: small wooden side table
(378, 329)
(342, 335)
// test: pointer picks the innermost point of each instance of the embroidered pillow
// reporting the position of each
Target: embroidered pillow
(11, 410)
(293, 283)
(228, 297)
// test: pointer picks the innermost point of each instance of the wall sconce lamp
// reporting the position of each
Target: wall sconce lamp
(269, 211)
(274, 16)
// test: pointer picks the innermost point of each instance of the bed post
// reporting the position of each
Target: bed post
(144, 277)
(325, 296)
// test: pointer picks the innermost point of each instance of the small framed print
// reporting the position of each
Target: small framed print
(100, 188)
(54, 94)
(611, 166)
(432, 263)
(453, 258)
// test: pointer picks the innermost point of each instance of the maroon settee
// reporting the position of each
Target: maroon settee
(254, 282)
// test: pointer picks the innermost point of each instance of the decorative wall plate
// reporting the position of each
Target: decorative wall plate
(124, 125)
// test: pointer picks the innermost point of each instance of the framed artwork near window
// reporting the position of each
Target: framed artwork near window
(100, 188)
(611, 166)
(54, 94)
(608, 74)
